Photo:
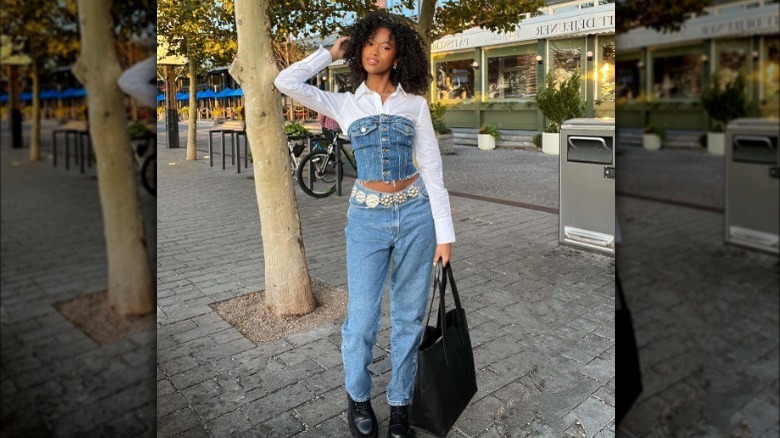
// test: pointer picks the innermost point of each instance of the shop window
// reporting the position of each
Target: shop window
(454, 80)
(565, 63)
(512, 76)
(770, 70)
(730, 64)
(342, 82)
(627, 77)
(605, 73)
(677, 76)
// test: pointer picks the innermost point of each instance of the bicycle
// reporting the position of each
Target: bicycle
(317, 170)
(145, 156)
(295, 146)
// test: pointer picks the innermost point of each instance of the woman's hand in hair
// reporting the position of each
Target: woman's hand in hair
(337, 51)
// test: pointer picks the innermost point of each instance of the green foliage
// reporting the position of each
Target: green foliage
(201, 30)
(538, 141)
(496, 15)
(437, 117)
(561, 102)
(492, 130)
(661, 15)
(726, 103)
(45, 30)
(296, 129)
(657, 130)
(139, 130)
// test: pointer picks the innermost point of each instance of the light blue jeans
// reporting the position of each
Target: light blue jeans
(404, 234)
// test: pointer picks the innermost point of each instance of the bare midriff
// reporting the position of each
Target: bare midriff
(390, 187)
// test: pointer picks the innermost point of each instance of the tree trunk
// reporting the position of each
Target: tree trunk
(35, 133)
(131, 289)
(287, 282)
(425, 24)
(192, 134)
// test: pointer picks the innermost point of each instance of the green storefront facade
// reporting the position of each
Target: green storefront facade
(660, 76)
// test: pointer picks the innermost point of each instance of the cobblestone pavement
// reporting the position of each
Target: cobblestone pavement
(542, 316)
(56, 381)
(706, 314)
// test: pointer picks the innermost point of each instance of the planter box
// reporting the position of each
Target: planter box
(486, 141)
(651, 142)
(446, 144)
(716, 143)
(551, 143)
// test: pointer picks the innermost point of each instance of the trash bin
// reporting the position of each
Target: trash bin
(752, 187)
(587, 184)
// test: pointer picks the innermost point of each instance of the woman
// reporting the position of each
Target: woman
(399, 211)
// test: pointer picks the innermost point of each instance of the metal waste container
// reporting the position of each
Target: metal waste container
(587, 184)
(752, 187)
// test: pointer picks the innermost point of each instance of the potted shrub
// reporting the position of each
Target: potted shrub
(653, 137)
(443, 132)
(558, 103)
(723, 104)
(488, 136)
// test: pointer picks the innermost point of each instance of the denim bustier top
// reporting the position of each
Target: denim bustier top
(383, 147)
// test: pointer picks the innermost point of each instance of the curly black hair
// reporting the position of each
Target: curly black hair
(412, 71)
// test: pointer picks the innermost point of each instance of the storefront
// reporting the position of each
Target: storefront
(485, 77)
(660, 76)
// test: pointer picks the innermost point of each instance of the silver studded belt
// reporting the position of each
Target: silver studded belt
(375, 199)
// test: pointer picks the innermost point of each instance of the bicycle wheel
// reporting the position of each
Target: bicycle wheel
(149, 174)
(320, 182)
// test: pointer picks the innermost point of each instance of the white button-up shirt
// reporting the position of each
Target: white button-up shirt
(345, 108)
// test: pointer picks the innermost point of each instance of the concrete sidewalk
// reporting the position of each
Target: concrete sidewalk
(706, 314)
(541, 315)
(56, 381)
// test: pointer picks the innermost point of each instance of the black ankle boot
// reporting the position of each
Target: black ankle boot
(399, 423)
(361, 419)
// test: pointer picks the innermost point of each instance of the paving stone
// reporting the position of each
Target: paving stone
(177, 422)
(322, 408)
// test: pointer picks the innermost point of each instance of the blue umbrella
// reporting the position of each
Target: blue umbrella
(4, 98)
(67, 93)
(237, 92)
(206, 94)
(49, 94)
(182, 96)
(227, 92)
(25, 96)
(161, 98)
(80, 92)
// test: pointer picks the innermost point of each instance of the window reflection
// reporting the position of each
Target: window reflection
(454, 80)
(512, 76)
(342, 82)
(627, 76)
(730, 64)
(677, 76)
(606, 72)
(565, 63)
(770, 70)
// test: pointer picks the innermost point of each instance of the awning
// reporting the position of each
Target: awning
(227, 92)
(594, 20)
(49, 94)
(738, 23)
(205, 94)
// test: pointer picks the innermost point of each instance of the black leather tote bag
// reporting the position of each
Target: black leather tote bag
(628, 374)
(446, 379)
